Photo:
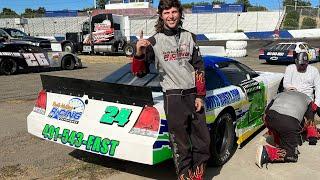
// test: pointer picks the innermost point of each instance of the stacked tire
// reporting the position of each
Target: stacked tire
(235, 49)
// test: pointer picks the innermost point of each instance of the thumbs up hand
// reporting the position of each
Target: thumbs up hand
(141, 45)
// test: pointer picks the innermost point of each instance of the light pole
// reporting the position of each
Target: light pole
(238, 15)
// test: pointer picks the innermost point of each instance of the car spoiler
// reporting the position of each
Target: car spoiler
(104, 91)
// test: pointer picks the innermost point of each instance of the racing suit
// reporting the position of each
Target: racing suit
(285, 119)
(181, 70)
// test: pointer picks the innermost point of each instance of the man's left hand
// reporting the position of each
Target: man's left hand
(199, 104)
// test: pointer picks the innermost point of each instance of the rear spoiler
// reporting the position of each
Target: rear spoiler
(110, 92)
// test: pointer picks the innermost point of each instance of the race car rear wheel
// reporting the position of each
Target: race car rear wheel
(68, 62)
(8, 66)
(223, 140)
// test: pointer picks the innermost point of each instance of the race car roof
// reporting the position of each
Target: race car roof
(210, 61)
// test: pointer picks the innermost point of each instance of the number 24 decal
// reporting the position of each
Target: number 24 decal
(112, 114)
(36, 59)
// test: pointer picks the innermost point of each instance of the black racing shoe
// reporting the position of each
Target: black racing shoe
(261, 156)
(312, 141)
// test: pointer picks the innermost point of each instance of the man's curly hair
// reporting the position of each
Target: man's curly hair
(167, 4)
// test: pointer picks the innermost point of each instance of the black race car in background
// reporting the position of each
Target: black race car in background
(15, 35)
(22, 56)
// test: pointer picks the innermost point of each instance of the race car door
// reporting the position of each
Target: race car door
(256, 93)
(241, 75)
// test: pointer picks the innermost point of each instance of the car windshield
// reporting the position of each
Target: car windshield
(15, 33)
(236, 72)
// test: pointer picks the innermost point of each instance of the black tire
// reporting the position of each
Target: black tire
(8, 66)
(270, 62)
(223, 140)
(68, 47)
(68, 63)
(129, 50)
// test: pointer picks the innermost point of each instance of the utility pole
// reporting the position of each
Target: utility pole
(295, 4)
(95, 4)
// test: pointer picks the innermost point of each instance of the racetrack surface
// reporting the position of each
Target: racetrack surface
(23, 156)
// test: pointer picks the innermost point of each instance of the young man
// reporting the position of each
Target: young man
(285, 118)
(176, 56)
(303, 78)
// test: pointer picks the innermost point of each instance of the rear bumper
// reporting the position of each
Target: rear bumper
(96, 140)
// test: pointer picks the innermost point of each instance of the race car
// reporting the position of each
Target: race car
(122, 116)
(286, 52)
(15, 57)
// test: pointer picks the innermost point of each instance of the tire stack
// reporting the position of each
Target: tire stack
(235, 49)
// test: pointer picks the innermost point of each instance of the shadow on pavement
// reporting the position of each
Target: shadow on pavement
(162, 171)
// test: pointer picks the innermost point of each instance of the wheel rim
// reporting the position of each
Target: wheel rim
(68, 48)
(129, 51)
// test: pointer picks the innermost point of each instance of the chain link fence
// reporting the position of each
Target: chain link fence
(301, 17)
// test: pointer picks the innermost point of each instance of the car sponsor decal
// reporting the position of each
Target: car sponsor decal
(275, 53)
(222, 99)
(76, 139)
(161, 148)
(113, 114)
(13, 54)
(250, 85)
(36, 59)
(70, 112)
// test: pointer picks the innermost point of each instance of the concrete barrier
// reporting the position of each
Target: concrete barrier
(213, 50)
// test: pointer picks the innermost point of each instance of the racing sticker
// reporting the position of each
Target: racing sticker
(36, 59)
(114, 114)
(76, 139)
(13, 54)
(250, 85)
(161, 148)
(222, 99)
(70, 112)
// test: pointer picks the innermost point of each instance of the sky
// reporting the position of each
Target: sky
(20, 5)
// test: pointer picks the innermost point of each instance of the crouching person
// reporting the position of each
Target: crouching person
(285, 117)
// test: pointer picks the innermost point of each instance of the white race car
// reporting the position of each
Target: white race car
(122, 116)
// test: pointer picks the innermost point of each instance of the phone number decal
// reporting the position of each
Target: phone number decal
(77, 139)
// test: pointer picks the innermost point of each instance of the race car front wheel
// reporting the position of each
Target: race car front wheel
(223, 140)
(8, 66)
(68, 63)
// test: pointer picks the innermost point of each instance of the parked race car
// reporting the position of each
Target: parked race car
(21, 56)
(122, 116)
(286, 52)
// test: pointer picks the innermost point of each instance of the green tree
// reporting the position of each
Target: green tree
(7, 12)
(308, 23)
(101, 4)
(299, 2)
(218, 2)
(40, 10)
(246, 3)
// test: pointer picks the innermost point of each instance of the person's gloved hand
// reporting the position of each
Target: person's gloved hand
(318, 111)
(315, 108)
